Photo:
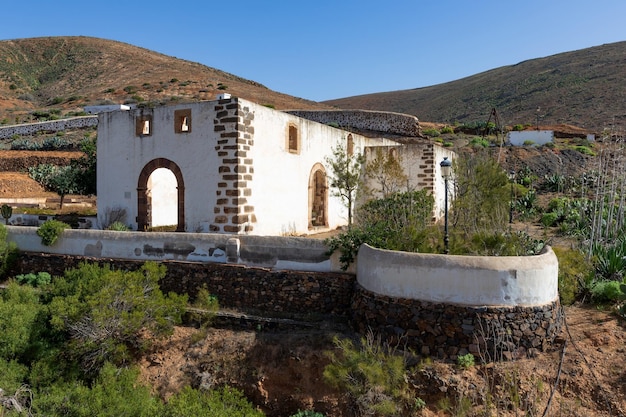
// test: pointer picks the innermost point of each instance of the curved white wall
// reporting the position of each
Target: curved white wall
(467, 280)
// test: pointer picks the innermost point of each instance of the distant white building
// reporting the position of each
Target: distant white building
(231, 166)
(530, 137)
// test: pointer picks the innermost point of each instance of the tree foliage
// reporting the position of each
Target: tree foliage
(345, 172)
(384, 175)
(79, 177)
(105, 311)
(482, 195)
(399, 222)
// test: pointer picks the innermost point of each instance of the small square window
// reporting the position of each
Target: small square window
(182, 121)
(143, 126)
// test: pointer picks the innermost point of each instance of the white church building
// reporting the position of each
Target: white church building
(236, 167)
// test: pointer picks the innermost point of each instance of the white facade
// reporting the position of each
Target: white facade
(240, 167)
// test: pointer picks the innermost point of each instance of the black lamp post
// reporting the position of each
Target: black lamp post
(446, 171)
(512, 181)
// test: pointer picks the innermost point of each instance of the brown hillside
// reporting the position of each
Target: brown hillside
(582, 88)
(68, 73)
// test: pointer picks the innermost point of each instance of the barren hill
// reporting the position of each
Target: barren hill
(67, 73)
(584, 88)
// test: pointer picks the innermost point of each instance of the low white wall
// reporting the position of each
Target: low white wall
(467, 280)
(293, 253)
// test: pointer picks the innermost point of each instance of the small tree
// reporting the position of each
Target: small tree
(384, 173)
(345, 172)
(61, 180)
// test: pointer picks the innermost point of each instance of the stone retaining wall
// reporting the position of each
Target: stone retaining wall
(236, 286)
(49, 126)
(447, 330)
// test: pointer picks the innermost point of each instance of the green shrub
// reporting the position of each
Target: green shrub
(50, 231)
(431, 132)
(585, 150)
(447, 130)
(118, 227)
(223, 402)
(465, 361)
(529, 143)
(549, 219)
(8, 251)
(19, 310)
(115, 392)
(479, 142)
(111, 315)
(374, 376)
(606, 291)
(518, 128)
(34, 280)
(574, 272)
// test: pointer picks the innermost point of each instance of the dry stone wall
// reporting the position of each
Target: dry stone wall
(386, 122)
(449, 330)
(49, 126)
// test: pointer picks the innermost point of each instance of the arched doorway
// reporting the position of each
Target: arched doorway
(160, 176)
(318, 197)
(162, 198)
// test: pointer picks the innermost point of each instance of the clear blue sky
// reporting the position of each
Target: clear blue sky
(325, 49)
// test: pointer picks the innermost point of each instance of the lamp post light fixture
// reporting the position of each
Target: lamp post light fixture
(512, 181)
(446, 172)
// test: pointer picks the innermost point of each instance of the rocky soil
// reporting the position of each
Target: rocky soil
(582, 374)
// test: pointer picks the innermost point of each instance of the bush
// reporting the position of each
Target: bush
(606, 291)
(110, 315)
(118, 227)
(574, 272)
(223, 402)
(34, 280)
(372, 374)
(447, 130)
(8, 251)
(431, 132)
(50, 231)
(465, 361)
(529, 143)
(479, 143)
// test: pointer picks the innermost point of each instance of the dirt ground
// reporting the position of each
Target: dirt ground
(281, 372)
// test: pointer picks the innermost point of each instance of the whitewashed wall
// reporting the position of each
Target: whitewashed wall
(281, 179)
(469, 280)
(122, 155)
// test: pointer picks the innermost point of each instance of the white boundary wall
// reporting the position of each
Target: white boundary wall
(467, 280)
(279, 253)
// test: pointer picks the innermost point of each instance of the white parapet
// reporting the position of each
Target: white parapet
(466, 280)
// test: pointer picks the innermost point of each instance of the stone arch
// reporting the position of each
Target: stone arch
(142, 192)
(318, 197)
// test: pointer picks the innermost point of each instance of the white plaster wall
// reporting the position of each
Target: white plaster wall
(122, 156)
(293, 253)
(469, 280)
(538, 137)
(280, 191)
